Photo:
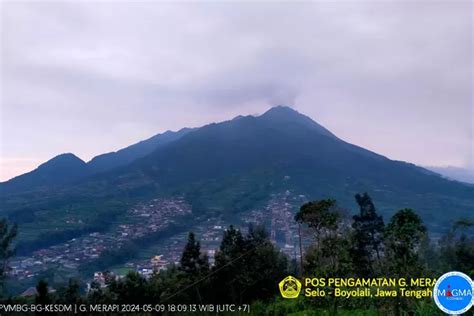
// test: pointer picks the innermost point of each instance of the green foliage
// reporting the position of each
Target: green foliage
(192, 262)
(367, 237)
(132, 289)
(319, 215)
(193, 272)
(405, 229)
(329, 255)
(42, 294)
(331, 258)
(254, 155)
(7, 233)
(403, 236)
(457, 248)
(69, 294)
(247, 267)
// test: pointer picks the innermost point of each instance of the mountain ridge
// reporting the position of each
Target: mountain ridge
(126, 155)
(58, 170)
(235, 165)
(97, 164)
(250, 146)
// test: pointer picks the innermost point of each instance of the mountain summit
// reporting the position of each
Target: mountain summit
(236, 165)
(68, 168)
(58, 170)
(282, 114)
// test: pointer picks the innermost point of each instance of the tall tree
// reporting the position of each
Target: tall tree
(228, 280)
(403, 236)
(320, 216)
(457, 248)
(266, 265)
(42, 293)
(8, 232)
(69, 294)
(247, 267)
(367, 238)
(133, 289)
(191, 274)
(192, 261)
(330, 255)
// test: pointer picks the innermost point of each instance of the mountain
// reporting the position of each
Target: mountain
(67, 168)
(285, 115)
(455, 173)
(127, 155)
(278, 140)
(56, 171)
(234, 166)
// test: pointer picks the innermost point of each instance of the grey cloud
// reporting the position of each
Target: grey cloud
(91, 77)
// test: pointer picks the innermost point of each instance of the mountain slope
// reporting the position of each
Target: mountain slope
(216, 161)
(235, 165)
(127, 155)
(68, 168)
(56, 171)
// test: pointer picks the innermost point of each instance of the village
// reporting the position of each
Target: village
(153, 216)
(138, 222)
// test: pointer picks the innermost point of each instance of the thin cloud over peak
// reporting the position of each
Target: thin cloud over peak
(92, 77)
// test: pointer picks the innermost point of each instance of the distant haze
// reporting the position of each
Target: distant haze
(455, 173)
(394, 77)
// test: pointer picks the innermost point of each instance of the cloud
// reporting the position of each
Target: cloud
(91, 77)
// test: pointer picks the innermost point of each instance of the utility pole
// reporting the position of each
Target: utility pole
(301, 249)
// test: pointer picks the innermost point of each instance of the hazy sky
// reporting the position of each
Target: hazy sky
(395, 77)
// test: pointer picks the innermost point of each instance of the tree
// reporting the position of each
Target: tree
(162, 285)
(69, 294)
(231, 247)
(367, 238)
(132, 289)
(189, 280)
(330, 255)
(457, 248)
(464, 251)
(247, 267)
(266, 265)
(403, 236)
(192, 261)
(8, 232)
(97, 295)
(42, 294)
(320, 216)
(430, 257)
(228, 267)
(324, 221)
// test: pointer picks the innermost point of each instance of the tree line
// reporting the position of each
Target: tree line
(248, 267)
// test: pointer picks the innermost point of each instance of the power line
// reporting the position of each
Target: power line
(212, 273)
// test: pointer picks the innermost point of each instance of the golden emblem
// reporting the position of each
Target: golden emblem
(290, 287)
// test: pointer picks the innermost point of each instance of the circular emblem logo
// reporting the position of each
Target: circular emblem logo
(290, 287)
(453, 293)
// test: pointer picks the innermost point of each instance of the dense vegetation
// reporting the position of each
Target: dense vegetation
(222, 168)
(248, 267)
